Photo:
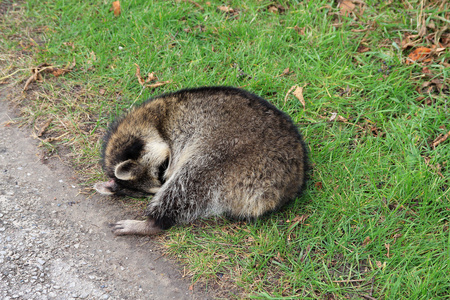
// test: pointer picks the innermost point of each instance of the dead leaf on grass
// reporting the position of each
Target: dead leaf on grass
(396, 236)
(339, 118)
(150, 77)
(297, 220)
(286, 71)
(226, 9)
(366, 241)
(423, 54)
(70, 44)
(420, 53)
(318, 185)
(300, 31)
(380, 265)
(435, 85)
(300, 219)
(346, 7)
(362, 49)
(426, 70)
(116, 8)
(298, 92)
(276, 8)
(279, 258)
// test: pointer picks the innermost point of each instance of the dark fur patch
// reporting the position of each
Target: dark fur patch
(132, 151)
(162, 169)
(164, 222)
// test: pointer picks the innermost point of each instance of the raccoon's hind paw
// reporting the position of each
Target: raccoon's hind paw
(127, 227)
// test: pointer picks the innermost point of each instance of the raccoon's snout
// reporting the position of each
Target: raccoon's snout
(106, 188)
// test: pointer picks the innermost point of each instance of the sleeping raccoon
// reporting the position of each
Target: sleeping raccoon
(203, 152)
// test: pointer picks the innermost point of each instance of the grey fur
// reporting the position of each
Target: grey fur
(203, 152)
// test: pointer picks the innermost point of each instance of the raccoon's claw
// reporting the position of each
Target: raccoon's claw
(127, 227)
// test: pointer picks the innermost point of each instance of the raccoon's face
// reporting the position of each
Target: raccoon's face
(131, 178)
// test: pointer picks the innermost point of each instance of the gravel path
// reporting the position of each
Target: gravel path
(55, 244)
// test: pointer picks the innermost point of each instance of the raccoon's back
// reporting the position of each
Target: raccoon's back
(224, 113)
(246, 146)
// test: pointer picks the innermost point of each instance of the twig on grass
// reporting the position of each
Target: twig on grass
(440, 139)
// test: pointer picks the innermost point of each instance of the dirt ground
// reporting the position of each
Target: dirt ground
(56, 243)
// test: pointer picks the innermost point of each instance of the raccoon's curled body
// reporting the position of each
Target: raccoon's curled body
(203, 152)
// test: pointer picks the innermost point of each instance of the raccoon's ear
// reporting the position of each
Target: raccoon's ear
(128, 170)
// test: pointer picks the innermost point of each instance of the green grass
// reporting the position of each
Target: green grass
(376, 184)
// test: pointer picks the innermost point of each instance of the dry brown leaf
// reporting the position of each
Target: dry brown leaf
(346, 7)
(276, 8)
(366, 241)
(70, 44)
(298, 92)
(151, 77)
(273, 9)
(102, 91)
(286, 72)
(116, 8)
(426, 70)
(300, 31)
(279, 258)
(396, 236)
(226, 9)
(339, 118)
(300, 219)
(420, 53)
(318, 185)
(362, 49)
(59, 72)
(138, 75)
(287, 94)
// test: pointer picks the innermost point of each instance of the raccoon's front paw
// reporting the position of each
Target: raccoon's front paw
(127, 227)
